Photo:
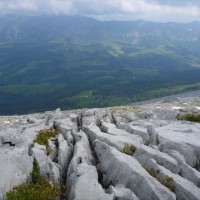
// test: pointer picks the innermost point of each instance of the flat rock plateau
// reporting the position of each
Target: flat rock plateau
(89, 155)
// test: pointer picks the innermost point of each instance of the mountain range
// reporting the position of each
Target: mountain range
(74, 62)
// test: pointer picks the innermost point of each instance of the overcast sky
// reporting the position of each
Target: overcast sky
(154, 10)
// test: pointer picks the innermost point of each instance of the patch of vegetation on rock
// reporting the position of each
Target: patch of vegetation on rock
(129, 149)
(38, 189)
(128, 109)
(35, 174)
(167, 182)
(189, 117)
(44, 135)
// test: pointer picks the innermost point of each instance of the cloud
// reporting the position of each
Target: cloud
(37, 6)
(156, 10)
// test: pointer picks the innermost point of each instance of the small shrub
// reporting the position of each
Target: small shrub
(42, 190)
(38, 189)
(167, 182)
(129, 149)
(44, 135)
(189, 117)
(35, 174)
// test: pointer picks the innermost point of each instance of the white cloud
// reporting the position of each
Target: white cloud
(157, 10)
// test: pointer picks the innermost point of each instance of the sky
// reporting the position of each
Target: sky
(152, 10)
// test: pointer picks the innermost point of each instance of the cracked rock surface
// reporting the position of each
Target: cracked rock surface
(89, 156)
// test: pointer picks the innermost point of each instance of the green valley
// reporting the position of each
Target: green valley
(96, 65)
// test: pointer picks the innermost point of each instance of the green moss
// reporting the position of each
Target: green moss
(167, 182)
(129, 149)
(44, 135)
(189, 117)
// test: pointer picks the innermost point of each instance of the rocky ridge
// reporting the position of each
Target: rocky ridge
(87, 156)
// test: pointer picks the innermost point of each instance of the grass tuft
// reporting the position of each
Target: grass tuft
(44, 135)
(129, 149)
(35, 174)
(189, 117)
(167, 182)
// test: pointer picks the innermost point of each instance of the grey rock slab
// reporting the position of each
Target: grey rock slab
(74, 117)
(129, 117)
(145, 115)
(122, 193)
(82, 180)
(64, 155)
(54, 171)
(116, 140)
(68, 136)
(172, 100)
(119, 168)
(83, 184)
(87, 120)
(105, 126)
(190, 174)
(186, 171)
(184, 189)
(176, 155)
(29, 134)
(119, 132)
(142, 123)
(82, 152)
(53, 152)
(181, 137)
(65, 125)
(11, 136)
(160, 157)
(58, 112)
(48, 168)
(136, 130)
(15, 167)
(40, 154)
(153, 135)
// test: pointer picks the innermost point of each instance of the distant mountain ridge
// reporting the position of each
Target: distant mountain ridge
(57, 27)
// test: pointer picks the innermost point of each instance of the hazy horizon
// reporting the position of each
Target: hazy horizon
(126, 10)
(91, 17)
